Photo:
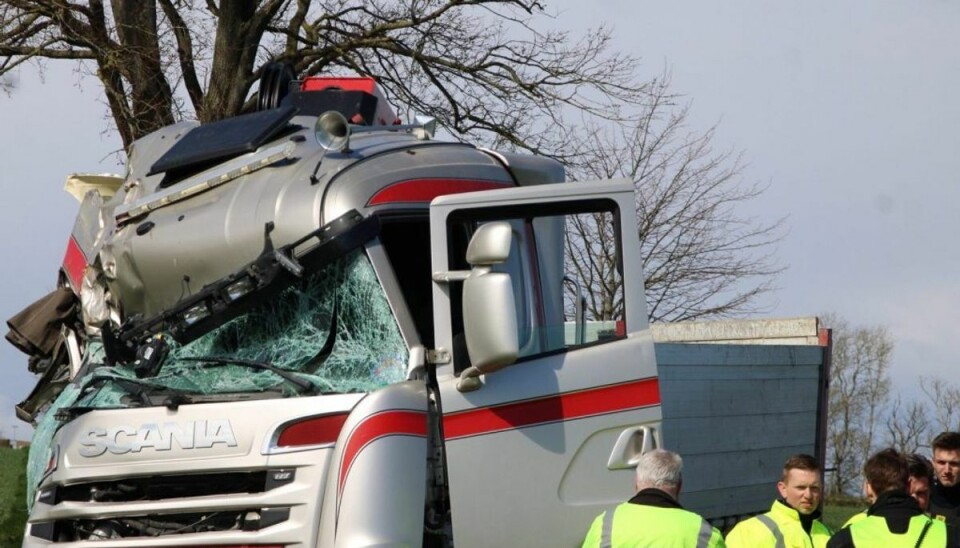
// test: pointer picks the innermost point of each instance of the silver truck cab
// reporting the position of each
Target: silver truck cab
(297, 332)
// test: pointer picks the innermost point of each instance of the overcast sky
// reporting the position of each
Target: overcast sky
(849, 110)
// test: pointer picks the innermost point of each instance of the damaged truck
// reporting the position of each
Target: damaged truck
(315, 326)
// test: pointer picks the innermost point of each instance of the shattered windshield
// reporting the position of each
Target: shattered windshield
(334, 333)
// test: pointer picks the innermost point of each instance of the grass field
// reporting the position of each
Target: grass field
(13, 495)
(836, 513)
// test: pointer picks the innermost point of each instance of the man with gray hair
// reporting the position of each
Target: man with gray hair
(653, 518)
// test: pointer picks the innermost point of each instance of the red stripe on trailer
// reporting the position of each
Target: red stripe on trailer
(425, 190)
(563, 407)
(74, 261)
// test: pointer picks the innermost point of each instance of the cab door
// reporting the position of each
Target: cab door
(537, 449)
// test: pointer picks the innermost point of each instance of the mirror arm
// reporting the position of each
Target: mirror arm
(451, 276)
(469, 380)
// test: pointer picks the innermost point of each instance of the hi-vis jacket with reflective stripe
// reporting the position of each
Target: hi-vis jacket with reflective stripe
(652, 519)
(778, 528)
(895, 520)
(873, 531)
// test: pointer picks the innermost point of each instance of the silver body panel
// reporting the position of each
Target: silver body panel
(375, 496)
(538, 433)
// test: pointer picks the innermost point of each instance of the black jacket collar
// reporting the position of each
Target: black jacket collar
(896, 507)
(655, 497)
(944, 500)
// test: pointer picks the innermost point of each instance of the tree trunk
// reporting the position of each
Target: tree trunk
(150, 96)
(234, 55)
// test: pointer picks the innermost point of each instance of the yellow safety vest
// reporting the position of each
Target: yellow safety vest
(778, 528)
(872, 531)
(641, 526)
(855, 518)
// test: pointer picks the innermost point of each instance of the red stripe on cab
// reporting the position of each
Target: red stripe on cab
(563, 407)
(374, 427)
(425, 190)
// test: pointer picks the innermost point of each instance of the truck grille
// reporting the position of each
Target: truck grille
(158, 525)
(149, 488)
(162, 488)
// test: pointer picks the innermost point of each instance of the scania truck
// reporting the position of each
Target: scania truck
(315, 326)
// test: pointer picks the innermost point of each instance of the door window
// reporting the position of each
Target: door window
(565, 268)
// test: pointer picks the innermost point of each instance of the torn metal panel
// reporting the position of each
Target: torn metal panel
(94, 300)
(203, 181)
(144, 152)
(183, 240)
(104, 184)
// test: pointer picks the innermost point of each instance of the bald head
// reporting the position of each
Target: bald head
(660, 469)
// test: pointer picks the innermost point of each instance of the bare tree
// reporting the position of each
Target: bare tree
(701, 256)
(590, 241)
(7, 84)
(859, 391)
(944, 397)
(908, 426)
(482, 67)
(479, 66)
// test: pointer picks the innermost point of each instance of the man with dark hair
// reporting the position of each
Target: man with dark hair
(945, 491)
(793, 520)
(653, 517)
(895, 519)
(920, 479)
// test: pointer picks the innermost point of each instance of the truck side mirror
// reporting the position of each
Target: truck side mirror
(489, 311)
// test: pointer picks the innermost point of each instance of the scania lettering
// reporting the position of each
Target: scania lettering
(315, 326)
(124, 439)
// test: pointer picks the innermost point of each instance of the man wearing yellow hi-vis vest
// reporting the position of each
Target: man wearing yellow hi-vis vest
(794, 519)
(895, 519)
(653, 518)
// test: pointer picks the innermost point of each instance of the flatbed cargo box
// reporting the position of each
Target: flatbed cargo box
(739, 398)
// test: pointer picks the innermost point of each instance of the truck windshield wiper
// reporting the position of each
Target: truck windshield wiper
(304, 385)
(132, 387)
